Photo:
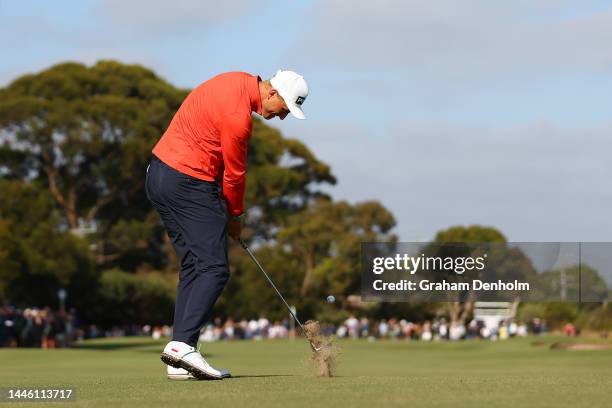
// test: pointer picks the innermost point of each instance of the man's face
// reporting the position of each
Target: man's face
(274, 105)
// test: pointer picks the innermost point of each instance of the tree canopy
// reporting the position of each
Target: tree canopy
(75, 141)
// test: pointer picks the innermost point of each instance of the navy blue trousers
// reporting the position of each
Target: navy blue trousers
(194, 214)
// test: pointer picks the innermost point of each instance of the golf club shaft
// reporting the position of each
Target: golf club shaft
(246, 248)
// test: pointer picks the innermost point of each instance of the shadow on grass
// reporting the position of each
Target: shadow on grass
(158, 351)
(116, 346)
(136, 347)
(259, 376)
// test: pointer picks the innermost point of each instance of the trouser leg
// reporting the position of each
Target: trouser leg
(195, 218)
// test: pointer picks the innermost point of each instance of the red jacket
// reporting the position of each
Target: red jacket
(209, 134)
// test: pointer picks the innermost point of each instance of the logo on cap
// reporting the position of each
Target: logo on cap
(300, 100)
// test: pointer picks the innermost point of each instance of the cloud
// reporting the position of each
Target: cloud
(461, 39)
(537, 181)
(134, 31)
(159, 15)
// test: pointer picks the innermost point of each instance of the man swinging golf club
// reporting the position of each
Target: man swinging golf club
(196, 181)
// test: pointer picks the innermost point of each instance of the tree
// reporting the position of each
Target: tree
(127, 298)
(283, 177)
(317, 252)
(85, 132)
(506, 263)
(327, 236)
(578, 282)
(470, 234)
(37, 256)
(81, 137)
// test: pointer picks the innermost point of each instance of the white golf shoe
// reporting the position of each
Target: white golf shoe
(179, 374)
(181, 355)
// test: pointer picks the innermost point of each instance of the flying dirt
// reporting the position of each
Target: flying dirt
(325, 352)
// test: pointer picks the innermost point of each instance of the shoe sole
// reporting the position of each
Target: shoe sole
(196, 372)
(181, 377)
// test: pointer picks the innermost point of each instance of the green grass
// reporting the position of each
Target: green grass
(515, 373)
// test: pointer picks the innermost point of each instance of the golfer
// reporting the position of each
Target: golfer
(196, 181)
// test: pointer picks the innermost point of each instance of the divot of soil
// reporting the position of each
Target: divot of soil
(580, 346)
(326, 358)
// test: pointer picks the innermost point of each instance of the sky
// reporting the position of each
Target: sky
(448, 112)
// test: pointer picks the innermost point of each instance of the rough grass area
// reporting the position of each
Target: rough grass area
(515, 373)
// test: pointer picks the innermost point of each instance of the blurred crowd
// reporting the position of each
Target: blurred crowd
(254, 329)
(44, 328)
(353, 327)
(34, 327)
(434, 330)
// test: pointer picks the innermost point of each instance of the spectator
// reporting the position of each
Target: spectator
(352, 324)
(569, 330)
(426, 335)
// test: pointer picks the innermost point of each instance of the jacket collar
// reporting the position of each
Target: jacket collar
(254, 95)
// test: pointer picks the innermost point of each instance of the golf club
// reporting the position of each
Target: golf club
(246, 248)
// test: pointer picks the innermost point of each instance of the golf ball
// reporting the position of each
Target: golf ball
(331, 299)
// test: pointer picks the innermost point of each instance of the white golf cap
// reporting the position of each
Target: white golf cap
(294, 90)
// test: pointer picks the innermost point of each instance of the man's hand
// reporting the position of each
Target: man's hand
(234, 228)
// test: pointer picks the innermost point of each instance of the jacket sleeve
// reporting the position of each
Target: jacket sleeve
(235, 131)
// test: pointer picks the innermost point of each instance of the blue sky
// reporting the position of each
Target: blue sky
(448, 112)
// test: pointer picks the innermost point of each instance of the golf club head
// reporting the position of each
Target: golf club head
(314, 348)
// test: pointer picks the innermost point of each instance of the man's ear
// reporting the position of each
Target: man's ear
(272, 92)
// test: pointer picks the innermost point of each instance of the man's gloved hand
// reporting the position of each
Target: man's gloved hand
(234, 227)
